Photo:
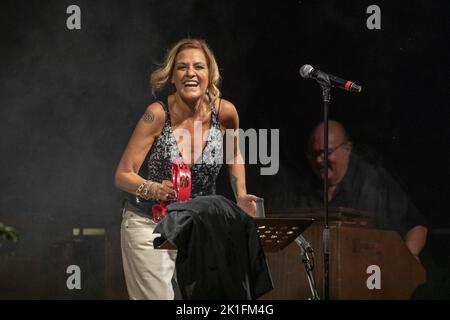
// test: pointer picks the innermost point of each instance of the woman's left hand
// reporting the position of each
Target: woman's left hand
(247, 203)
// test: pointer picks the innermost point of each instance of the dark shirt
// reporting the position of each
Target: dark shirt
(369, 187)
(219, 252)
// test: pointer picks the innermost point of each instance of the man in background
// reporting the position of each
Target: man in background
(356, 183)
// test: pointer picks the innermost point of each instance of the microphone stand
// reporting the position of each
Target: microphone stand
(309, 265)
(326, 96)
(325, 82)
(326, 230)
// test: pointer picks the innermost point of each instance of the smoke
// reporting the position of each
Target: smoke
(69, 99)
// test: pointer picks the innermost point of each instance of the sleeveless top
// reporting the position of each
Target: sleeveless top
(164, 150)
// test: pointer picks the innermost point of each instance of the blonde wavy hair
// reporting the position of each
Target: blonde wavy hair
(161, 76)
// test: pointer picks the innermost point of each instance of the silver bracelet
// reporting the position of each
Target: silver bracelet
(153, 190)
(139, 189)
(148, 187)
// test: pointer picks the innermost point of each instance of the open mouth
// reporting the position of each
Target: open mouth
(191, 84)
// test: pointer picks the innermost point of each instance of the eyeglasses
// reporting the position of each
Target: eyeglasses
(313, 154)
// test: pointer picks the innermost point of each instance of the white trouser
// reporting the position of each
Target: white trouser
(149, 272)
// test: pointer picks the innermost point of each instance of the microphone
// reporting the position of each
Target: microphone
(323, 78)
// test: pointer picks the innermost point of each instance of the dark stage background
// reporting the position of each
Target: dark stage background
(70, 99)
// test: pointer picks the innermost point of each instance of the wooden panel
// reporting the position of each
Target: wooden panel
(354, 247)
(359, 248)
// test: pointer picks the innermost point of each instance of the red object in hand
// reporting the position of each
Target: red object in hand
(181, 180)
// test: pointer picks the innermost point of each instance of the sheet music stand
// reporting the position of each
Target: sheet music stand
(275, 233)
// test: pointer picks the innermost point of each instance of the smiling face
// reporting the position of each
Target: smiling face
(339, 150)
(190, 74)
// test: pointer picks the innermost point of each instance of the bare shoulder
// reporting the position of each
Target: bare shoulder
(154, 113)
(154, 117)
(152, 121)
(226, 107)
(228, 115)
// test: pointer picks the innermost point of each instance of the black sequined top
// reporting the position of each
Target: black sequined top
(165, 149)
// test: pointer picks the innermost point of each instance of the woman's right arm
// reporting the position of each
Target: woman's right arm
(148, 128)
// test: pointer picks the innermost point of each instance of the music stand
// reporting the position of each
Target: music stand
(274, 233)
(277, 233)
